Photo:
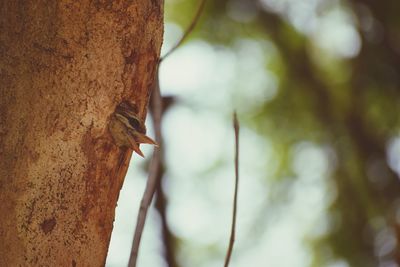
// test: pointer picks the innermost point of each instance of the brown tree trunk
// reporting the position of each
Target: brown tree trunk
(64, 67)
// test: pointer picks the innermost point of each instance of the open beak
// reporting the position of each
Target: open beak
(144, 139)
(138, 139)
(135, 147)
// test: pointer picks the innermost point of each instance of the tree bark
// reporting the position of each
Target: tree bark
(64, 67)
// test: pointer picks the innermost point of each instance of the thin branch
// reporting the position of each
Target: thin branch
(161, 201)
(233, 229)
(167, 236)
(156, 160)
(188, 30)
(153, 174)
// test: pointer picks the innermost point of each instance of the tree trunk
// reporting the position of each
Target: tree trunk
(64, 67)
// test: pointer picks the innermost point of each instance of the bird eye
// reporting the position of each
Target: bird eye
(134, 123)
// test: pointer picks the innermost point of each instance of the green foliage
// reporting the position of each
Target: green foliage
(337, 86)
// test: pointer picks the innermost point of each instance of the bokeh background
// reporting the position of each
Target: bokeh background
(316, 84)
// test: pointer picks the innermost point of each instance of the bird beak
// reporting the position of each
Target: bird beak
(144, 139)
(135, 147)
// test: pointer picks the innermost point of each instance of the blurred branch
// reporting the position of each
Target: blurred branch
(353, 186)
(188, 30)
(161, 200)
(233, 228)
(167, 236)
(301, 69)
(385, 17)
(156, 162)
(154, 168)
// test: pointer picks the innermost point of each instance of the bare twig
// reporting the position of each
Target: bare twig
(156, 160)
(161, 201)
(153, 174)
(168, 237)
(233, 229)
(188, 30)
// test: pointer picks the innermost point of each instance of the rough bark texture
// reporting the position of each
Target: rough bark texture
(64, 66)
